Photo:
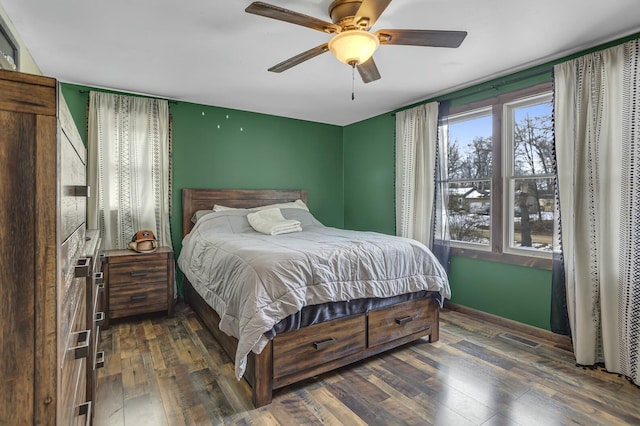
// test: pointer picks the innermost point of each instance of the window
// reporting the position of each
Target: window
(500, 177)
(529, 173)
(469, 168)
(8, 49)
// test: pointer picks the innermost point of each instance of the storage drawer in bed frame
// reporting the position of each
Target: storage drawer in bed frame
(305, 348)
(393, 322)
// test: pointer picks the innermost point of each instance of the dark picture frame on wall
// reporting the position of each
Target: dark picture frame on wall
(9, 48)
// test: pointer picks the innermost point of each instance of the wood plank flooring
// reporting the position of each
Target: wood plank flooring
(170, 371)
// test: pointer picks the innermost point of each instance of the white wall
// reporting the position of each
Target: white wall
(27, 64)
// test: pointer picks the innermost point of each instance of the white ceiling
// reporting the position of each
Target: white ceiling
(212, 52)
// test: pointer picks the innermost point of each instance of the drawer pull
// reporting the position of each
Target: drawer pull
(323, 344)
(81, 349)
(139, 297)
(100, 287)
(81, 269)
(99, 319)
(100, 359)
(85, 410)
(138, 274)
(404, 320)
(75, 190)
(98, 278)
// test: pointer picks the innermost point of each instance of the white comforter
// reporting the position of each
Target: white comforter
(254, 280)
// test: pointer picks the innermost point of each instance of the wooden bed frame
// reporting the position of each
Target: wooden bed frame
(300, 354)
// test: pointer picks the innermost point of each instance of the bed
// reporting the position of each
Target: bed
(315, 331)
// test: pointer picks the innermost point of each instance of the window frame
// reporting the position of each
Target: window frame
(463, 116)
(509, 175)
(499, 187)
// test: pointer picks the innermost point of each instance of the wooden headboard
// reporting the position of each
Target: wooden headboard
(204, 199)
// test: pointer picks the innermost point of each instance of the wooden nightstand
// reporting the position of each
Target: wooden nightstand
(138, 283)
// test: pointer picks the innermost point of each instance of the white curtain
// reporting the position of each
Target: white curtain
(597, 127)
(128, 168)
(416, 143)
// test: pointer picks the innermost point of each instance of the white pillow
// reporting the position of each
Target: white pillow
(298, 204)
(219, 208)
(198, 214)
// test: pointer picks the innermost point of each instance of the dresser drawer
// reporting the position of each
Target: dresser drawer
(73, 364)
(147, 271)
(312, 346)
(399, 320)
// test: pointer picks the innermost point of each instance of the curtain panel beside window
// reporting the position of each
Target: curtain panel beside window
(416, 140)
(128, 167)
(420, 164)
(597, 128)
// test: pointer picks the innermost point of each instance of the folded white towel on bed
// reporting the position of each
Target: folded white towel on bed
(271, 222)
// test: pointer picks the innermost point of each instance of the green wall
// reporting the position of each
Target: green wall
(369, 175)
(516, 292)
(222, 148)
(217, 147)
(77, 98)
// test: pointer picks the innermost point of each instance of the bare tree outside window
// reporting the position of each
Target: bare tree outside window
(531, 178)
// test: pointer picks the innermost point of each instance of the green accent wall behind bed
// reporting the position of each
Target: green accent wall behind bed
(222, 148)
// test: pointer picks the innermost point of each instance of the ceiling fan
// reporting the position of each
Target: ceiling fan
(352, 43)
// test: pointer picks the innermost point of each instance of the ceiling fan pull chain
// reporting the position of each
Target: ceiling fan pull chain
(353, 81)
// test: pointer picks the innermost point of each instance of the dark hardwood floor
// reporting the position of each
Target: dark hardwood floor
(169, 371)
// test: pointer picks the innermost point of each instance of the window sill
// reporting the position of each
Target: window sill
(511, 259)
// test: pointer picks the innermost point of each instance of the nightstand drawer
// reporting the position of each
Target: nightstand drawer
(137, 297)
(138, 272)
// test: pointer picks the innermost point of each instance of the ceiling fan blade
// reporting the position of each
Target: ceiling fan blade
(275, 12)
(300, 58)
(371, 10)
(369, 71)
(422, 37)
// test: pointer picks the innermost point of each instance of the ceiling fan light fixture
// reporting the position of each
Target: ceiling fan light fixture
(353, 46)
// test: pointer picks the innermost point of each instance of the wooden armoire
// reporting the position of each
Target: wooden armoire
(48, 338)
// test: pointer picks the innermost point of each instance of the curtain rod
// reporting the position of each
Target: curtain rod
(129, 94)
(498, 84)
(484, 87)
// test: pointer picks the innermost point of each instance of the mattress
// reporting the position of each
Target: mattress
(317, 314)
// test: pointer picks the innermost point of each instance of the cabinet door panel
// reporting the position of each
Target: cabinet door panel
(17, 272)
